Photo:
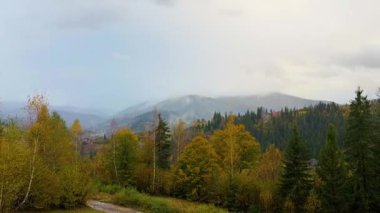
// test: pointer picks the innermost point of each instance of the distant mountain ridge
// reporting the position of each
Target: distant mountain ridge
(192, 107)
(187, 108)
(89, 117)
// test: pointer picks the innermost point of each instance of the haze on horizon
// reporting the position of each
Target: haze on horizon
(117, 53)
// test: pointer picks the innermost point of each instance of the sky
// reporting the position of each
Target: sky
(116, 53)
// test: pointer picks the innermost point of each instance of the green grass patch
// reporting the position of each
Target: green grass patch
(81, 210)
(131, 198)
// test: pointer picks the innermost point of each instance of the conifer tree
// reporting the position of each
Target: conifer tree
(332, 172)
(376, 148)
(163, 144)
(295, 182)
(359, 154)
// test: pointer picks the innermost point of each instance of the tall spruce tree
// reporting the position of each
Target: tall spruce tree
(163, 144)
(295, 182)
(360, 154)
(376, 147)
(332, 172)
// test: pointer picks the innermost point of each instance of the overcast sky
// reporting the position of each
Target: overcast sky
(116, 53)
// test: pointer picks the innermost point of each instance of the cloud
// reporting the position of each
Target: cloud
(210, 47)
(364, 58)
(231, 12)
(120, 56)
(164, 2)
(90, 20)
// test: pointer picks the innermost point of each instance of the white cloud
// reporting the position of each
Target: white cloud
(317, 48)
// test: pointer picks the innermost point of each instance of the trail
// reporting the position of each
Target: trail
(109, 208)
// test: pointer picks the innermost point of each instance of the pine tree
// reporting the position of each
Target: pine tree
(332, 172)
(295, 182)
(163, 144)
(359, 153)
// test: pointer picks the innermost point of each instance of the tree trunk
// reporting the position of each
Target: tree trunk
(114, 159)
(2, 179)
(32, 165)
(154, 161)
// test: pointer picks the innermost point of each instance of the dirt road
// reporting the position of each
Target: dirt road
(109, 208)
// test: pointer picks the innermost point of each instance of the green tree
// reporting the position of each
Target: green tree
(332, 172)
(125, 159)
(376, 148)
(198, 171)
(295, 182)
(163, 144)
(360, 156)
(126, 156)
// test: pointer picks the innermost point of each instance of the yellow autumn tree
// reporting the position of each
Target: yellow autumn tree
(267, 178)
(179, 138)
(198, 171)
(236, 147)
(56, 175)
(13, 165)
(119, 167)
(76, 130)
(144, 168)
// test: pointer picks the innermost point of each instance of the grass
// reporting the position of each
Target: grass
(81, 210)
(133, 199)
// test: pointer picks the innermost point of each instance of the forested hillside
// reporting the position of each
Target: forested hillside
(256, 162)
(274, 127)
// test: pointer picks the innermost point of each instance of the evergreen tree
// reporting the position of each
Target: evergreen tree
(376, 147)
(331, 170)
(295, 182)
(359, 153)
(163, 144)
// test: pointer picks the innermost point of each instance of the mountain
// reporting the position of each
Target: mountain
(89, 117)
(187, 108)
(192, 107)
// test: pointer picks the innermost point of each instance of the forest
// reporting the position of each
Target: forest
(322, 158)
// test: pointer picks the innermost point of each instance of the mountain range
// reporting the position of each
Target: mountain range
(187, 108)
(192, 107)
(88, 117)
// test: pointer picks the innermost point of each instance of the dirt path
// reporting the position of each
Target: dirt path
(109, 208)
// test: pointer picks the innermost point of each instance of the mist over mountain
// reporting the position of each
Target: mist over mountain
(187, 108)
(192, 107)
(89, 117)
